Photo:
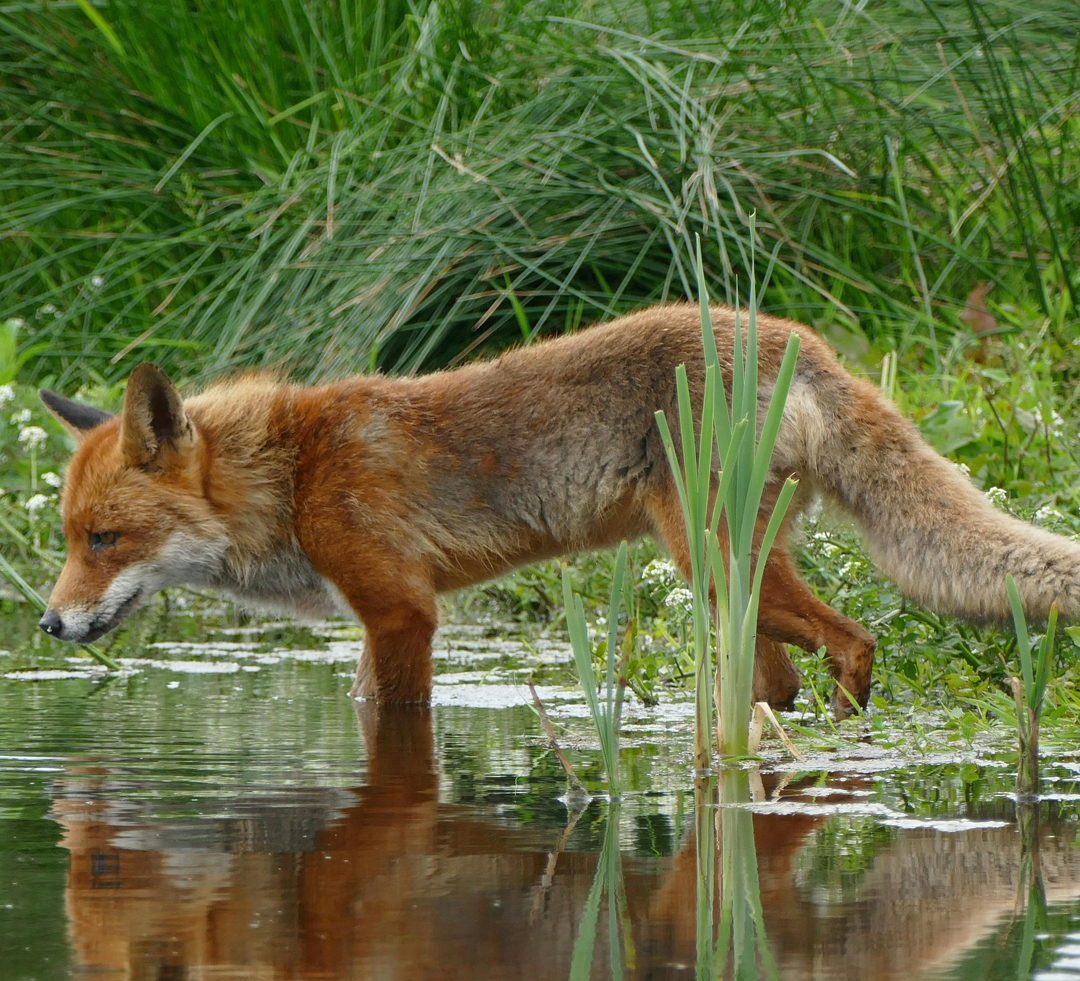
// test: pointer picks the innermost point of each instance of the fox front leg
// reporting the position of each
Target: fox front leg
(396, 663)
(395, 603)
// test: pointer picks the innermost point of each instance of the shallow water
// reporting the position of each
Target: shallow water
(223, 810)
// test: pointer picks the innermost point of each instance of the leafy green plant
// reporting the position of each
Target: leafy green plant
(744, 457)
(12, 359)
(1029, 692)
(605, 713)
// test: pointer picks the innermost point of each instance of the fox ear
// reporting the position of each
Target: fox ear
(154, 418)
(76, 418)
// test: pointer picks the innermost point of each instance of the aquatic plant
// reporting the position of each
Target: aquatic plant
(605, 713)
(1029, 691)
(744, 457)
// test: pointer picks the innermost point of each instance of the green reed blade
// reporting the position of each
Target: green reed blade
(33, 597)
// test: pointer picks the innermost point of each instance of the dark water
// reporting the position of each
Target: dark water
(227, 812)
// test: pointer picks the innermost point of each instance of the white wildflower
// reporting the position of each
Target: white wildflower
(21, 418)
(680, 600)
(97, 281)
(659, 574)
(7, 394)
(52, 478)
(33, 437)
(1048, 515)
(964, 469)
(1057, 424)
(998, 496)
(36, 503)
(46, 309)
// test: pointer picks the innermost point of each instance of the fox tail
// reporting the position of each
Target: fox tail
(927, 525)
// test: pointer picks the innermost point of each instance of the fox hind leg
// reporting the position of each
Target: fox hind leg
(790, 612)
(776, 679)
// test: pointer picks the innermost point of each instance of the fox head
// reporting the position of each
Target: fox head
(135, 511)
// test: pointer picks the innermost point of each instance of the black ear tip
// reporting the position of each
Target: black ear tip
(74, 414)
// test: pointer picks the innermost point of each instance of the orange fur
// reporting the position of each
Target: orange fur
(373, 495)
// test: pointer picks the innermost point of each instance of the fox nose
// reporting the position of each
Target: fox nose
(51, 623)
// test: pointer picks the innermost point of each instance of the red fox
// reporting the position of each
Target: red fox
(373, 495)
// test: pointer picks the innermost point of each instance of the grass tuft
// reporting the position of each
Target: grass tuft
(400, 184)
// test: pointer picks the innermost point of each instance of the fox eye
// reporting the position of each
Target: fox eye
(103, 539)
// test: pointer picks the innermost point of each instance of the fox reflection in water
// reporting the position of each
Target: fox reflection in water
(387, 881)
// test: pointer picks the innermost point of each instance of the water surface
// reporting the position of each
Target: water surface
(224, 810)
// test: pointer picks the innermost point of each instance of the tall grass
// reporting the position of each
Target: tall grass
(347, 185)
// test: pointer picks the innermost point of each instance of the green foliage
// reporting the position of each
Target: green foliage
(1035, 672)
(1029, 693)
(33, 449)
(745, 457)
(605, 714)
(336, 186)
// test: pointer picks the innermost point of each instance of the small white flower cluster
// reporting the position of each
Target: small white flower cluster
(21, 418)
(853, 567)
(36, 503)
(1048, 515)
(1057, 424)
(824, 544)
(7, 394)
(33, 437)
(52, 478)
(660, 574)
(998, 496)
(680, 600)
(964, 469)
